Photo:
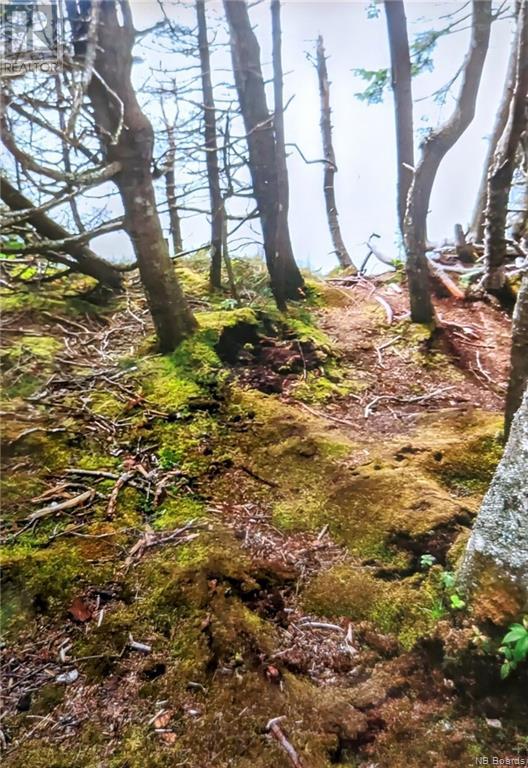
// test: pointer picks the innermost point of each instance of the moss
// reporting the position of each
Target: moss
(105, 404)
(42, 347)
(175, 512)
(469, 468)
(319, 388)
(45, 578)
(398, 608)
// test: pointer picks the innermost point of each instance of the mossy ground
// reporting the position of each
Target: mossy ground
(214, 609)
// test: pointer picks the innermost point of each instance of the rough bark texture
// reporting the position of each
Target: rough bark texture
(401, 80)
(86, 260)
(479, 214)
(127, 137)
(211, 150)
(170, 191)
(519, 358)
(329, 157)
(495, 565)
(500, 178)
(434, 148)
(286, 279)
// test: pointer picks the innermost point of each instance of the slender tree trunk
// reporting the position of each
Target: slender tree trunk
(401, 78)
(170, 191)
(211, 151)
(286, 279)
(519, 355)
(282, 235)
(329, 157)
(479, 214)
(501, 176)
(87, 261)
(494, 570)
(434, 149)
(128, 138)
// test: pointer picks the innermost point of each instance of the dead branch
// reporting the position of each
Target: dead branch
(278, 734)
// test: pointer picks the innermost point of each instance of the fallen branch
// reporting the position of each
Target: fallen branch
(369, 408)
(278, 734)
(76, 501)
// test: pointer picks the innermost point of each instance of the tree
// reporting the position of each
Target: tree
(211, 151)
(329, 158)
(434, 149)
(285, 277)
(479, 214)
(504, 163)
(127, 138)
(84, 259)
(497, 551)
(519, 355)
(401, 80)
(170, 192)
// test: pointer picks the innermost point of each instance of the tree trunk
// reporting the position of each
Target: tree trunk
(519, 356)
(500, 179)
(401, 79)
(170, 191)
(494, 569)
(211, 151)
(329, 157)
(434, 149)
(286, 279)
(479, 214)
(128, 138)
(87, 261)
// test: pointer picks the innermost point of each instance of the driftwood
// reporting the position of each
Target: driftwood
(76, 501)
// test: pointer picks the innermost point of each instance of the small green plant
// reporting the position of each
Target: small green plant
(448, 581)
(427, 561)
(168, 458)
(514, 647)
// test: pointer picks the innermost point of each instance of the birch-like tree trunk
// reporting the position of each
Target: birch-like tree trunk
(329, 157)
(401, 80)
(504, 163)
(497, 551)
(434, 149)
(127, 137)
(519, 357)
(285, 277)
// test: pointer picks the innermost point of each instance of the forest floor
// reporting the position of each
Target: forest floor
(242, 554)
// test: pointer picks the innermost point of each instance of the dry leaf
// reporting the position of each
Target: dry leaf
(79, 610)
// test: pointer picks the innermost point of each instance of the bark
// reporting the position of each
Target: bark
(434, 150)
(519, 227)
(504, 163)
(479, 215)
(519, 355)
(286, 279)
(127, 137)
(401, 80)
(497, 550)
(170, 191)
(87, 261)
(211, 151)
(329, 157)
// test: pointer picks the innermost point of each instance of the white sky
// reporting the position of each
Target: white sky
(363, 134)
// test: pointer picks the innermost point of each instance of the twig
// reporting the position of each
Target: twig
(278, 734)
(254, 475)
(120, 482)
(68, 504)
